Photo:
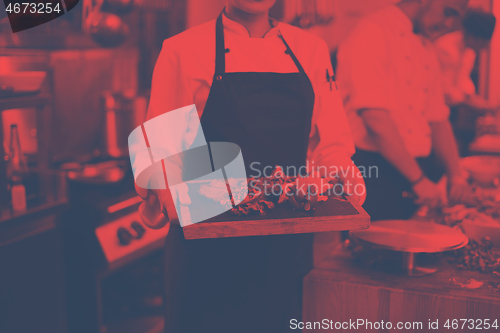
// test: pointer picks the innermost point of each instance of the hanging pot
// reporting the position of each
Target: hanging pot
(108, 30)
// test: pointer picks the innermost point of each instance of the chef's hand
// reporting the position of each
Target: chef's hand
(429, 194)
(354, 186)
(170, 197)
(460, 192)
(158, 207)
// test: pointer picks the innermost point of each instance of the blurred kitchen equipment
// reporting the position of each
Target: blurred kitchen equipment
(26, 81)
(308, 13)
(16, 162)
(139, 229)
(483, 169)
(26, 121)
(488, 123)
(124, 112)
(108, 30)
(98, 173)
(98, 267)
(16, 169)
(118, 6)
(77, 129)
(412, 237)
(124, 236)
(477, 230)
(488, 143)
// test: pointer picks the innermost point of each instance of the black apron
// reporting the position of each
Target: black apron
(250, 284)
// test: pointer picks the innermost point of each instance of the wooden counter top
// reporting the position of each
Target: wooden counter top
(339, 289)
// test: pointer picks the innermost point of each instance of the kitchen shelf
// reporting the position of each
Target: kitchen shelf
(47, 208)
(41, 102)
(27, 101)
(49, 198)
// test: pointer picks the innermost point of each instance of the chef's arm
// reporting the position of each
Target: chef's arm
(480, 104)
(445, 147)
(166, 133)
(386, 137)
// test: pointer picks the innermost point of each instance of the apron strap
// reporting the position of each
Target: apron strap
(292, 55)
(220, 49)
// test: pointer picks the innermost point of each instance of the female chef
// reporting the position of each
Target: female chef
(266, 86)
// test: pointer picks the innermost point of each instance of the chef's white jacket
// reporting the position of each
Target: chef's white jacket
(382, 64)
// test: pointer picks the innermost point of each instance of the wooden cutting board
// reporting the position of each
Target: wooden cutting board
(335, 214)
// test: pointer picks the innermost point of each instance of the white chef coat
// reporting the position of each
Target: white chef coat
(384, 65)
(185, 68)
(457, 62)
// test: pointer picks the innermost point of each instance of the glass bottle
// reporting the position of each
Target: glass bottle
(16, 168)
